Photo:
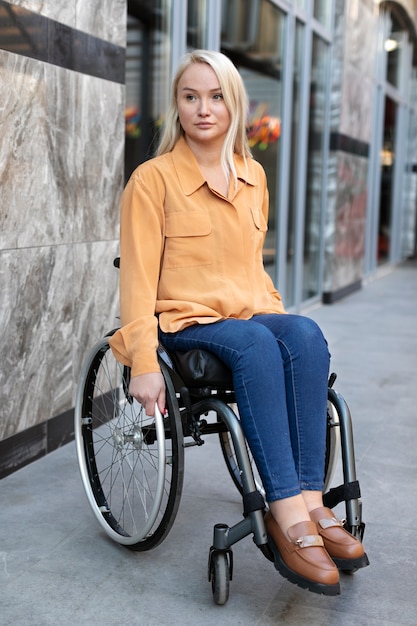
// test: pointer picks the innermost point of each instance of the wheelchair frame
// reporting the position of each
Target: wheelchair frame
(132, 465)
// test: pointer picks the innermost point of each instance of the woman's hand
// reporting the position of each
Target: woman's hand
(149, 389)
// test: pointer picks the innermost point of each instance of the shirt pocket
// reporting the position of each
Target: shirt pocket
(259, 220)
(258, 232)
(188, 240)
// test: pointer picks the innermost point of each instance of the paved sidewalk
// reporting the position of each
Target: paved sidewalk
(58, 568)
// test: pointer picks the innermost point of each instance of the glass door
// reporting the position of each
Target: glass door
(316, 157)
(307, 172)
(284, 60)
(392, 199)
(252, 37)
(408, 234)
(293, 192)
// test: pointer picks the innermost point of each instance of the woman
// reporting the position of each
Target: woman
(193, 223)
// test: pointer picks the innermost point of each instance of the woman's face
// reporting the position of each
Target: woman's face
(202, 112)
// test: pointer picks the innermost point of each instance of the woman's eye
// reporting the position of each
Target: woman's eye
(218, 96)
(190, 97)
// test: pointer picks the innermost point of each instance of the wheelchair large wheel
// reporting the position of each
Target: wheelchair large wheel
(131, 465)
(332, 452)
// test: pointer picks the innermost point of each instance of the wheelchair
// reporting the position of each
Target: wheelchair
(132, 464)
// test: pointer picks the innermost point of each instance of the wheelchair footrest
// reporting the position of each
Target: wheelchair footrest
(342, 493)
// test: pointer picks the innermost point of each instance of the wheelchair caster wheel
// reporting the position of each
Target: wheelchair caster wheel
(220, 574)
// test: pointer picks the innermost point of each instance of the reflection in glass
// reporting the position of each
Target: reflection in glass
(387, 180)
(196, 24)
(147, 80)
(263, 132)
(252, 36)
(323, 11)
(393, 46)
(315, 164)
(409, 192)
(251, 33)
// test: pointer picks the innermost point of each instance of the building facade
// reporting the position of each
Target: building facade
(85, 86)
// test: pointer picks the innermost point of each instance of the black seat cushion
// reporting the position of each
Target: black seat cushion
(200, 368)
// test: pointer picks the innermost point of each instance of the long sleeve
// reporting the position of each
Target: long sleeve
(141, 246)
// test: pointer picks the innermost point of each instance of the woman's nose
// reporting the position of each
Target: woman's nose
(204, 107)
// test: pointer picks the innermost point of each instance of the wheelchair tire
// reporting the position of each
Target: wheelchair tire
(131, 465)
(220, 577)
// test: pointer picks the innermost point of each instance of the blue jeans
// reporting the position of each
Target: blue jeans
(280, 367)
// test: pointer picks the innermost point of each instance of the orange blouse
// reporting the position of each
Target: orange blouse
(188, 254)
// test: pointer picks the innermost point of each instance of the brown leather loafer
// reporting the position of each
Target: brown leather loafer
(346, 551)
(302, 560)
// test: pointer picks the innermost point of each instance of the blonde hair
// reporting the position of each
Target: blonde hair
(235, 99)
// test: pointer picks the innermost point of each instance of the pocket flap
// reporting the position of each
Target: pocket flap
(259, 220)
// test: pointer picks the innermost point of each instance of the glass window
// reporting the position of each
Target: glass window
(196, 24)
(147, 78)
(295, 158)
(323, 12)
(236, 24)
(394, 45)
(409, 191)
(301, 4)
(387, 179)
(315, 165)
(252, 36)
(395, 169)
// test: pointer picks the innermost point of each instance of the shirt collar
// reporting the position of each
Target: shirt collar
(189, 173)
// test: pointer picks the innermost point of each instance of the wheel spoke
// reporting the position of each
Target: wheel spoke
(123, 454)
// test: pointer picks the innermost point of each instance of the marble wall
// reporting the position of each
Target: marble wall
(352, 83)
(101, 18)
(61, 173)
